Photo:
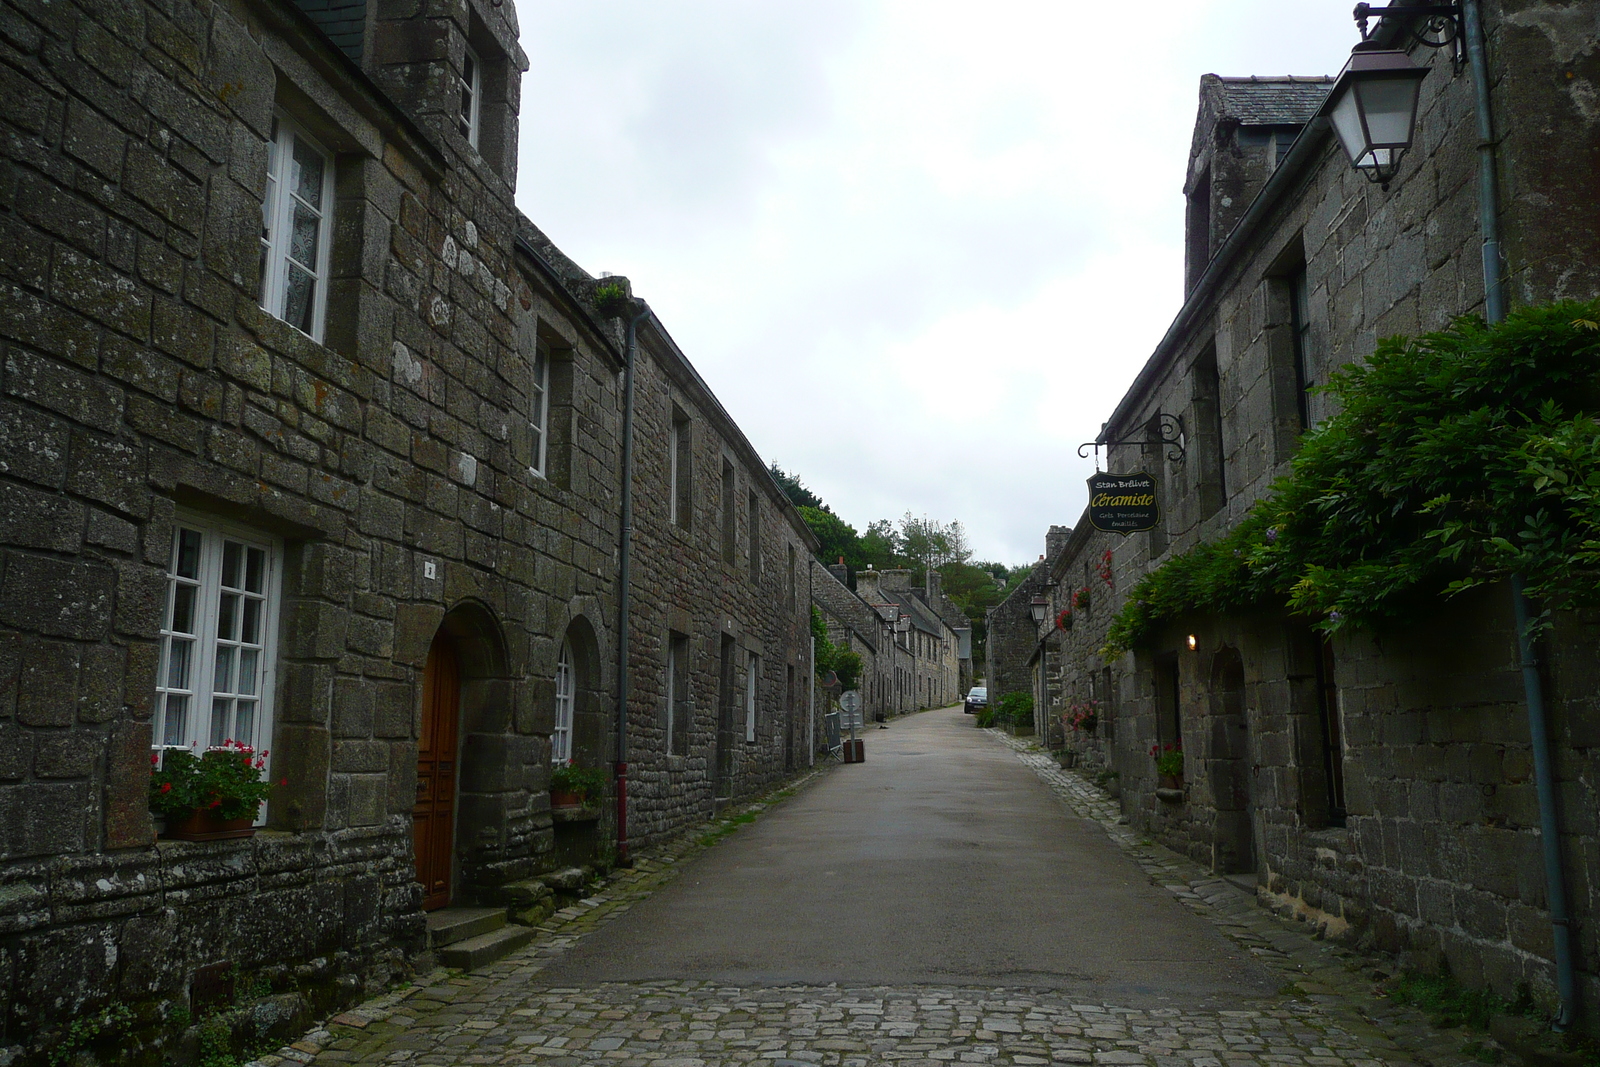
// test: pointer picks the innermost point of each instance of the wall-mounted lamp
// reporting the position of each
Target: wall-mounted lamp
(1039, 607)
(1192, 643)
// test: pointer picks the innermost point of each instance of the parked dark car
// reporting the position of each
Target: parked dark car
(977, 697)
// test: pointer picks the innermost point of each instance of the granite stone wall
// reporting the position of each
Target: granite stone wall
(1379, 787)
(394, 465)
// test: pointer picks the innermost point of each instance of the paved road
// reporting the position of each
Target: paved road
(939, 861)
(936, 906)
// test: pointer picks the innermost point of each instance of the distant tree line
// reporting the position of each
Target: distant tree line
(914, 544)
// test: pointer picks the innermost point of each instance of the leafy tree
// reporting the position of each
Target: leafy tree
(796, 490)
(838, 538)
(880, 545)
(1456, 458)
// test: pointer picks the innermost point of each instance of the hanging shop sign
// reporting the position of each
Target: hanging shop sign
(1123, 503)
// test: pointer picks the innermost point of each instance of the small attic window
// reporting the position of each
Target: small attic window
(470, 82)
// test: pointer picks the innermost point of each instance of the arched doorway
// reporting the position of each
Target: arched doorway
(1228, 767)
(434, 816)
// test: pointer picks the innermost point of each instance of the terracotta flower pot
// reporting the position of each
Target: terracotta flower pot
(206, 826)
(1172, 781)
(562, 799)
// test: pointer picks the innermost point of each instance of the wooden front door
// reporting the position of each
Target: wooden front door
(434, 817)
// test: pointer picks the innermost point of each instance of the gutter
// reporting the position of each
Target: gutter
(624, 573)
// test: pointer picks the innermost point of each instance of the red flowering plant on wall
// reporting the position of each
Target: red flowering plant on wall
(1083, 717)
(1064, 619)
(1169, 759)
(1105, 571)
(225, 780)
(1080, 599)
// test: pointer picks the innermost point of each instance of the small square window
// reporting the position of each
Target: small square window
(470, 84)
(295, 229)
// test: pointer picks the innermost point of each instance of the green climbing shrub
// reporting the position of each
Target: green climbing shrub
(1456, 458)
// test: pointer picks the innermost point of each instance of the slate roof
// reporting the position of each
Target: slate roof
(1284, 101)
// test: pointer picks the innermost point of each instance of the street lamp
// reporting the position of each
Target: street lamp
(1039, 607)
(1373, 106)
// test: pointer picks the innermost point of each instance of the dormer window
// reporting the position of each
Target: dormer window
(471, 86)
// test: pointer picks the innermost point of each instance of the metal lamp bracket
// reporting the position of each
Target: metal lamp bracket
(1433, 25)
(1168, 431)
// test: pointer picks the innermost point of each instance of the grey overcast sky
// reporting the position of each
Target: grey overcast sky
(918, 249)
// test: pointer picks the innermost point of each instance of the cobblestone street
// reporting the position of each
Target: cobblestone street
(1324, 1014)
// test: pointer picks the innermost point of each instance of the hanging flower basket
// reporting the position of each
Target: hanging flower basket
(1064, 620)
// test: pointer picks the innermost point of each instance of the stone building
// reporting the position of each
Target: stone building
(1377, 785)
(308, 439)
(869, 633)
(932, 677)
(1020, 655)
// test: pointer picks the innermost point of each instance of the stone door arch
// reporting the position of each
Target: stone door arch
(461, 819)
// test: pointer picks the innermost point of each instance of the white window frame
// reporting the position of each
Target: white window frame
(469, 84)
(539, 408)
(197, 688)
(561, 733)
(276, 213)
(751, 679)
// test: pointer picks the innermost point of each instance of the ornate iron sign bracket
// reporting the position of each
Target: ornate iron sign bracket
(1434, 25)
(1167, 430)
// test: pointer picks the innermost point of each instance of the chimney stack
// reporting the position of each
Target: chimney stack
(1056, 540)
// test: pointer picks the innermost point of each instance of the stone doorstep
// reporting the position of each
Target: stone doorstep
(449, 925)
(480, 951)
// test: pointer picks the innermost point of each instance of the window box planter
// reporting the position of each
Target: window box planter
(561, 798)
(205, 826)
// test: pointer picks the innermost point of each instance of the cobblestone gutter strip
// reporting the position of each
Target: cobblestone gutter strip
(473, 1019)
(621, 890)
(1333, 976)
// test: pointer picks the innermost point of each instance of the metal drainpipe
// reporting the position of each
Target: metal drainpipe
(624, 571)
(1494, 306)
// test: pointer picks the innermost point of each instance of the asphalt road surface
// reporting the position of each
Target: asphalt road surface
(942, 861)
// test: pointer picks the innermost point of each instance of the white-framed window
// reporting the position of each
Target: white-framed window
(218, 638)
(752, 679)
(561, 734)
(295, 228)
(539, 408)
(470, 85)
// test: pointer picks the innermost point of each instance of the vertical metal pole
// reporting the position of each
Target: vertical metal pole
(624, 573)
(811, 711)
(1494, 311)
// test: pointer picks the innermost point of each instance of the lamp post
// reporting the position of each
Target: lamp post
(1373, 107)
(1039, 607)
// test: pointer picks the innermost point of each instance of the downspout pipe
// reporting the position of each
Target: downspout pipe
(1494, 309)
(638, 309)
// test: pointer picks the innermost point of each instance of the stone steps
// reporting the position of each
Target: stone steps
(449, 925)
(469, 938)
(484, 949)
